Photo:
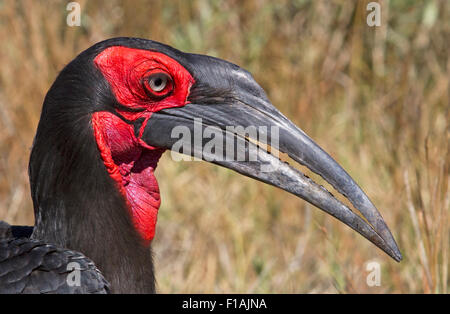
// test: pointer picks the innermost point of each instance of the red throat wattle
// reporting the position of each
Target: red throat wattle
(129, 161)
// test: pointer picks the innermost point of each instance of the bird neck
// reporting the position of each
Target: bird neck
(78, 206)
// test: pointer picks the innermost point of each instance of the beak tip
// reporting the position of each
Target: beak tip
(393, 251)
(390, 245)
(397, 255)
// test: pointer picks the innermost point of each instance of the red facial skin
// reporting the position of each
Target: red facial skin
(129, 161)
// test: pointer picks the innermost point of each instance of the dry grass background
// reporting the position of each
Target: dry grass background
(377, 99)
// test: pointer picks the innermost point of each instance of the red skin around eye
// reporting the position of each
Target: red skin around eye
(130, 162)
(124, 68)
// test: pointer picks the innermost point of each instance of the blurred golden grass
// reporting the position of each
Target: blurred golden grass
(377, 99)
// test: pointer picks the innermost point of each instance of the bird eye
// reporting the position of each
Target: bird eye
(158, 83)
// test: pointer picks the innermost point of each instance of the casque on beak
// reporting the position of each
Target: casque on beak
(225, 97)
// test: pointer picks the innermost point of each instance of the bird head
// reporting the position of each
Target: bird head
(139, 98)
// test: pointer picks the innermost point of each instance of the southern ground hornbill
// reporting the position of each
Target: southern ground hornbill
(105, 122)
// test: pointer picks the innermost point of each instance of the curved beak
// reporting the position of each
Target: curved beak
(229, 121)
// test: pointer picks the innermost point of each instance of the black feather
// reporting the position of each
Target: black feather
(31, 266)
